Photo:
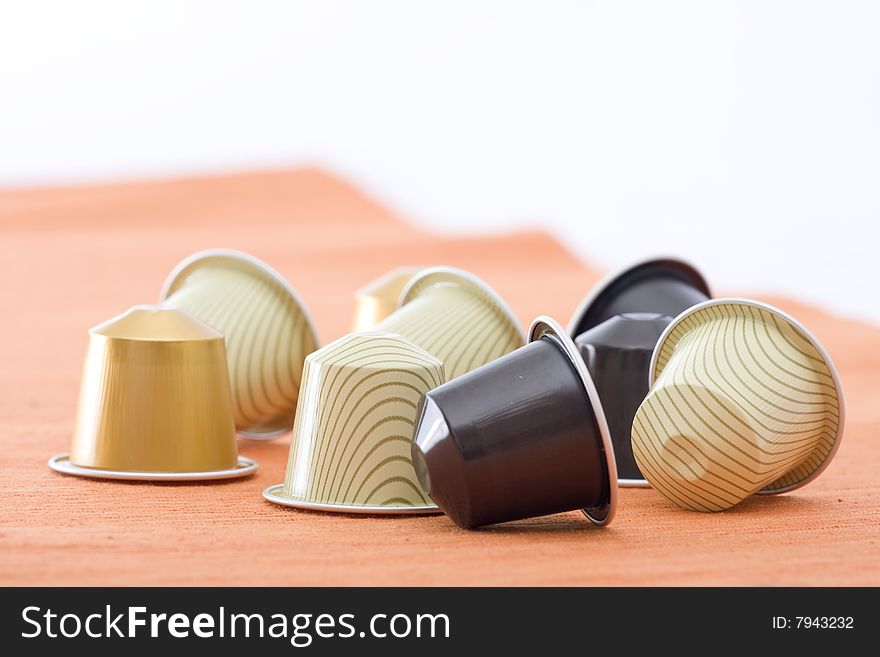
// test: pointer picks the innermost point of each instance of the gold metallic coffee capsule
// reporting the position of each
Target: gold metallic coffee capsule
(267, 328)
(744, 400)
(154, 402)
(378, 299)
(352, 438)
(456, 317)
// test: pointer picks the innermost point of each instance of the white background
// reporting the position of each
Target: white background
(743, 136)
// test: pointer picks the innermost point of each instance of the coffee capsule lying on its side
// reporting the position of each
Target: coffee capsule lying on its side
(154, 402)
(618, 353)
(267, 328)
(456, 317)
(519, 437)
(744, 400)
(665, 286)
(378, 299)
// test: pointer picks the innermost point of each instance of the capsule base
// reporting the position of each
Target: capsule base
(275, 495)
(61, 463)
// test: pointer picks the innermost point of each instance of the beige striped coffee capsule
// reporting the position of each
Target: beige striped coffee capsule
(744, 400)
(455, 316)
(267, 328)
(379, 298)
(352, 437)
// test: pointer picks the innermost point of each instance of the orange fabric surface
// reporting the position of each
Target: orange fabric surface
(74, 257)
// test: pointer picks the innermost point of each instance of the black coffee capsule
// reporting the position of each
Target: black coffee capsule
(618, 353)
(665, 286)
(519, 437)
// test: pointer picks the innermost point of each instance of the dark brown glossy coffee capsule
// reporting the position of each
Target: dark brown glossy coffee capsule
(519, 437)
(618, 353)
(665, 286)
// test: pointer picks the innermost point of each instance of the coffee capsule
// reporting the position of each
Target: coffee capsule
(743, 400)
(522, 436)
(376, 300)
(665, 286)
(618, 353)
(154, 402)
(456, 317)
(268, 333)
(350, 450)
